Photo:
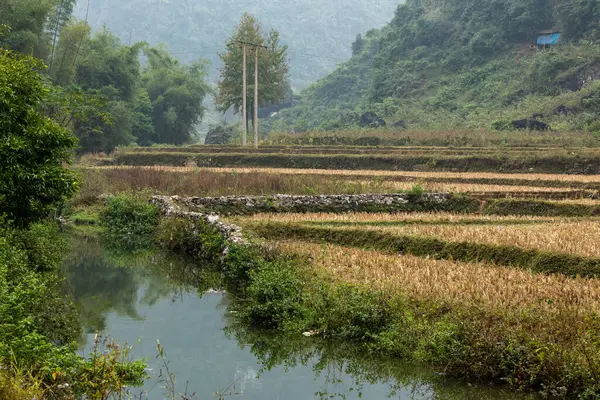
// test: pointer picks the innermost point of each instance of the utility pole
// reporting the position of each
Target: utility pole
(256, 98)
(244, 102)
(244, 94)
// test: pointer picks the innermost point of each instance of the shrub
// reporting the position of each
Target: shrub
(220, 134)
(275, 296)
(192, 237)
(354, 313)
(33, 148)
(129, 223)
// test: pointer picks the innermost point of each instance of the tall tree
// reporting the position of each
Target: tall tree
(27, 20)
(57, 20)
(73, 38)
(177, 92)
(273, 68)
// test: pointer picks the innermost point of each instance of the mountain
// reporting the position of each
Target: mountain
(316, 31)
(445, 64)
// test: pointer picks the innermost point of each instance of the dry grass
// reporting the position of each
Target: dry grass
(572, 236)
(444, 187)
(413, 174)
(368, 173)
(190, 181)
(374, 218)
(493, 287)
(195, 182)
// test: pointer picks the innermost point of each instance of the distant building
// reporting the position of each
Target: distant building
(548, 37)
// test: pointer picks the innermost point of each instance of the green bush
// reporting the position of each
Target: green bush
(33, 148)
(239, 263)
(129, 223)
(354, 313)
(193, 237)
(275, 296)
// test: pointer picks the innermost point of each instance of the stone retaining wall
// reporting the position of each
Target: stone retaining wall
(169, 207)
(244, 205)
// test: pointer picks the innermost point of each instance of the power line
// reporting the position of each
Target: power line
(199, 52)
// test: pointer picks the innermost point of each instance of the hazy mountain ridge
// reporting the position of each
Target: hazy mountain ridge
(318, 33)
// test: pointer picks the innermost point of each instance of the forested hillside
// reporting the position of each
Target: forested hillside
(97, 86)
(465, 64)
(317, 32)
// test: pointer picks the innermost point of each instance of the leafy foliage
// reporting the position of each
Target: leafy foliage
(129, 223)
(273, 68)
(39, 325)
(176, 92)
(220, 134)
(461, 64)
(33, 148)
(99, 89)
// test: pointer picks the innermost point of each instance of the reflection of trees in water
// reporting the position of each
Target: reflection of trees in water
(102, 282)
(347, 367)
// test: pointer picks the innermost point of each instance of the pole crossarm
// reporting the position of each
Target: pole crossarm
(252, 44)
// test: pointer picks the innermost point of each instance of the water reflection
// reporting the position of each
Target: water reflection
(154, 297)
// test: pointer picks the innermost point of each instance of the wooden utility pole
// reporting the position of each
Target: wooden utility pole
(256, 98)
(244, 102)
(244, 95)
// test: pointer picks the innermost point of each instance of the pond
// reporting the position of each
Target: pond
(151, 298)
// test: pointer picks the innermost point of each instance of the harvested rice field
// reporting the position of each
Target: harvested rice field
(496, 288)
(498, 282)
(573, 236)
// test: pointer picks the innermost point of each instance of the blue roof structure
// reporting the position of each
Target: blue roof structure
(548, 38)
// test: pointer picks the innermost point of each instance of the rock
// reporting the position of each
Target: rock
(563, 110)
(530, 124)
(371, 120)
(400, 125)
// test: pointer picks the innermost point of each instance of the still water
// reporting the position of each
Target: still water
(154, 298)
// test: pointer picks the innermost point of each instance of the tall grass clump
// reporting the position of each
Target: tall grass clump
(129, 222)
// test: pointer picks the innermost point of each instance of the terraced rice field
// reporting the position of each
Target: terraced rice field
(458, 159)
(515, 283)
(496, 288)
(193, 181)
(573, 236)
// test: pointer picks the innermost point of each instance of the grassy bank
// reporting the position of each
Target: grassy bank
(40, 327)
(485, 333)
(437, 137)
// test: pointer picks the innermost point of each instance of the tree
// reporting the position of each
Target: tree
(33, 148)
(73, 37)
(58, 19)
(358, 45)
(273, 68)
(220, 134)
(109, 74)
(177, 92)
(27, 20)
(143, 126)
